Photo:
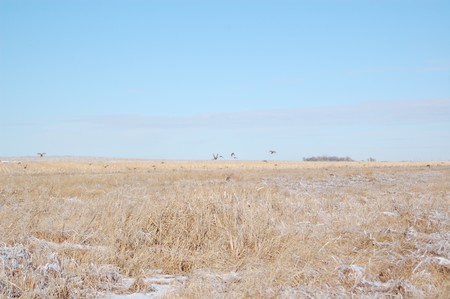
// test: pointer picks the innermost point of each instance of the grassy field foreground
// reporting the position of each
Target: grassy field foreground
(224, 229)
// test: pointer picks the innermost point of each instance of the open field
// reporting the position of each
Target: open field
(73, 228)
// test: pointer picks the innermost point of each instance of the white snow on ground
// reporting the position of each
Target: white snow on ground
(132, 296)
(158, 285)
(72, 199)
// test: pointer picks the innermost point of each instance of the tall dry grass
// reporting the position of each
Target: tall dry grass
(86, 229)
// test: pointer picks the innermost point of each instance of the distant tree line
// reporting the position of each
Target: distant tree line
(327, 158)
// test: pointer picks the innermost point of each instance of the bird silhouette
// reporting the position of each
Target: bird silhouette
(272, 152)
(41, 154)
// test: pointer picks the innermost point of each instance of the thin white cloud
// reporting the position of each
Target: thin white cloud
(367, 113)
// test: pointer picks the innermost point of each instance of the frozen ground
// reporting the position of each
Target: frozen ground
(93, 230)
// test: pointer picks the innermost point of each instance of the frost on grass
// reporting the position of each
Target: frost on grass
(15, 260)
(42, 273)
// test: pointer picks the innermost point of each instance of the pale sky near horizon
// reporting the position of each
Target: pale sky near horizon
(181, 79)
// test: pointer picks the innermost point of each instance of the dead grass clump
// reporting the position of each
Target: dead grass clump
(183, 234)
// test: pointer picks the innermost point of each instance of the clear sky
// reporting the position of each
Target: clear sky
(168, 79)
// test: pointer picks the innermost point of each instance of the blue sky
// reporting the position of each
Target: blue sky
(184, 79)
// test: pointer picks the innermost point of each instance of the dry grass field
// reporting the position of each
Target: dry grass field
(73, 228)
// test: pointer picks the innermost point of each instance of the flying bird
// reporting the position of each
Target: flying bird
(41, 154)
(272, 152)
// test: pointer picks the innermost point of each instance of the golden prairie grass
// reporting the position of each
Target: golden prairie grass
(224, 229)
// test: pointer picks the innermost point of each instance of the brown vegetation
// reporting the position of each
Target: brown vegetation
(73, 228)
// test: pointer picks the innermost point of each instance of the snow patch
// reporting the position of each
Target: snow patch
(157, 286)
